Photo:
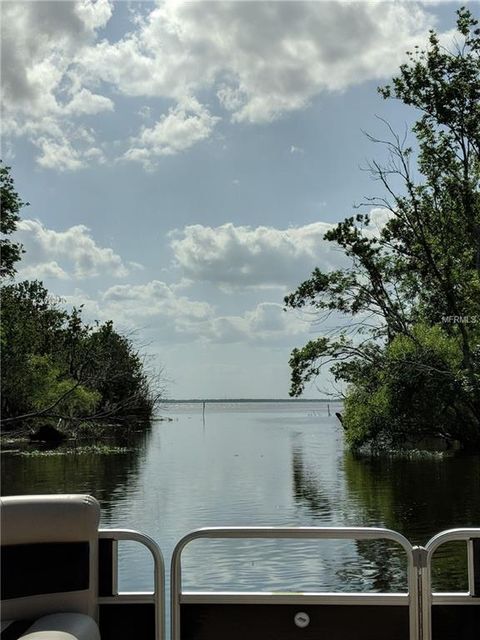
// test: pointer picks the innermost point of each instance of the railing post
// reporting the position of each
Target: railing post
(472, 538)
(420, 564)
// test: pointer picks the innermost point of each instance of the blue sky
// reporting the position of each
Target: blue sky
(183, 160)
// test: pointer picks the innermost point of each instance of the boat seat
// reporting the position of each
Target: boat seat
(49, 548)
(63, 626)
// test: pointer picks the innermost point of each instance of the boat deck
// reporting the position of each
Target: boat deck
(418, 613)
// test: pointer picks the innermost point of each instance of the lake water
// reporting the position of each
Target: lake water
(279, 464)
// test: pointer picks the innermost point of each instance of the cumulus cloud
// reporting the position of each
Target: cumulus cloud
(86, 102)
(78, 253)
(40, 100)
(242, 256)
(58, 154)
(44, 270)
(267, 322)
(260, 59)
(176, 131)
(159, 308)
(155, 299)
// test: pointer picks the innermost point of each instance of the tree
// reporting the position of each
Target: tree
(54, 366)
(35, 380)
(119, 373)
(10, 206)
(413, 287)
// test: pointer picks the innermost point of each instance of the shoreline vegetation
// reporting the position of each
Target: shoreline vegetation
(64, 380)
(408, 305)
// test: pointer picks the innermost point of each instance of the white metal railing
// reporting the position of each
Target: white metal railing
(158, 595)
(419, 598)
(410, 599)
(428, 597)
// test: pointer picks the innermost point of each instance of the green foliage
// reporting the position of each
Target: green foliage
(46, 386)
(10, 206)
(55, 366)
(417, 392)
(412, 366)
(121, 380)
(31, 325)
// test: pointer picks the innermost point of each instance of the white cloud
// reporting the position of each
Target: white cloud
(378, 219)
(158, 308)
(74, 248)
(85, 102)
(241, 256)
(234, 256)
(261, 60)
(140, 303)
(40, 98)
(58, 154)
(297, 150)
(43, 270)
(268, 322)
(176, 131)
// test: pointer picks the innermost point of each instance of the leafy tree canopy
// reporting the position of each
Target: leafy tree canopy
(54, 366)
(412, 365)
(10, 206)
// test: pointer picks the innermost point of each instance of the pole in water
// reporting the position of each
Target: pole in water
(328, 407)
(203, 410)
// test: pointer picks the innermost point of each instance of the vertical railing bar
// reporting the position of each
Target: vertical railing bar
(115, 567)
(426, 602)
(412, 599)
(470, 567)
(451, 535)
(159, 571)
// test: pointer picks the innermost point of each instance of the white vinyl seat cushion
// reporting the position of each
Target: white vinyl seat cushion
(63, 626)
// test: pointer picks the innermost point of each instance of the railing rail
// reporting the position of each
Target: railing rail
(429, 598)
(419, 597)
(158, 594)
(311, 533)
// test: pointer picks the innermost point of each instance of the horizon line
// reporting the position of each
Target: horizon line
(172, 400)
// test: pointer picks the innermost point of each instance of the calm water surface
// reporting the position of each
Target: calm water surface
(264, 464)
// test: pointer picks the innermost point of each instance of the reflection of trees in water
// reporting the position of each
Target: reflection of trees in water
(101, 475)
(381, 566)
(305, 486)
(417, 498)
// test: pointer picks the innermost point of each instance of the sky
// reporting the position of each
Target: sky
(183, 160)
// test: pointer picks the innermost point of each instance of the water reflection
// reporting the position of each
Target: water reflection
(282, 465)
(380, 566)
(306, 489)
(106, 476)
(418, 498)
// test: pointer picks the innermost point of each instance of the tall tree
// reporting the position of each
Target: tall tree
(413, 287)
(10, 206)
(54, 366)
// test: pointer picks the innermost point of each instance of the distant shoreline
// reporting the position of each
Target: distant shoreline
(250, 400)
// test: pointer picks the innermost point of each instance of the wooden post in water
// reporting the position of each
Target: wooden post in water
(203, 411)
(328, 407)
